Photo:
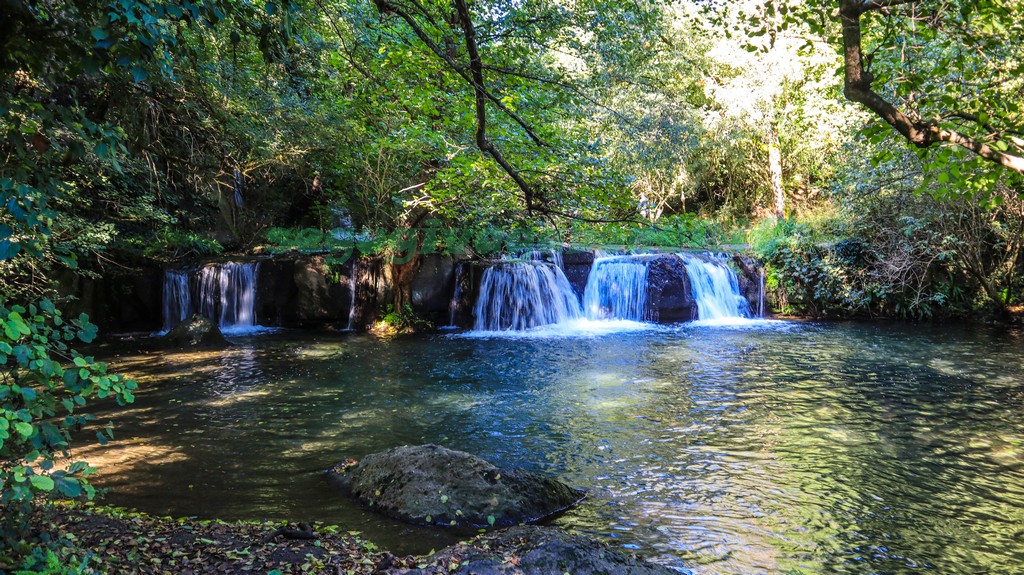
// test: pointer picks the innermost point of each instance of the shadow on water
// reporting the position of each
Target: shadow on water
(809, 448)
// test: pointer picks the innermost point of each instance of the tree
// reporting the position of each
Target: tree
(717, 128)
(945, 76)
(953, 70)
(529, 72)
(59, 148)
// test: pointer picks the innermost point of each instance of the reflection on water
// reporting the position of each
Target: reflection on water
(769, 449)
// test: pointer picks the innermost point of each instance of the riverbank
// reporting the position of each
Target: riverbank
(96, 539)
(115, 540)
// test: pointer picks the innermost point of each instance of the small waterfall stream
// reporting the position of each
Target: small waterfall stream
(177, 298)
(238, 296)
(523, 295)
(558, 258)
(453, 304)
(209, 286)
(716, 289)
(225, 293)
(617, 289)
(760, 293)
(352, 293)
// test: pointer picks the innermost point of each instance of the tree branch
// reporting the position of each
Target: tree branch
(385, 7)
(857, 88)
(480, 98)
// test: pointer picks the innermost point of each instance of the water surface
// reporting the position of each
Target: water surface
(768, 448)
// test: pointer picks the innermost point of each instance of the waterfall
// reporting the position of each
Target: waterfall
(519, 296)
(617, 289)
(225, 293)
(453, 305)
(352, 293)
(238, 295)
(716, 289)
(557, 258)
(177, 299)
(760, 293)
(209, 290)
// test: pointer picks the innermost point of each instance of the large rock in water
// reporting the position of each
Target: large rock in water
(669, 293)
(534, 550)
(196, 331)
(432, 485)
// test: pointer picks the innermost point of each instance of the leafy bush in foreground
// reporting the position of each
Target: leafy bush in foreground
(44, 384)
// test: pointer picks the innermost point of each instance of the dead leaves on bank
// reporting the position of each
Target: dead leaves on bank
(120, 541)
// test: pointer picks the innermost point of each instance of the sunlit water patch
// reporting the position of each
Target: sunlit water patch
(739, 323)
(569, 328)
(795, 448)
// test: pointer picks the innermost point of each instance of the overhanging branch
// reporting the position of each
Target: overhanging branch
(857, 87)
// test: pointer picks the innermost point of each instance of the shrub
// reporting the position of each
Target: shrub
(43, 387)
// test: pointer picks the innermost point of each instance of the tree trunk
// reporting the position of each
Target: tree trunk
(775, 172)
(402, 276)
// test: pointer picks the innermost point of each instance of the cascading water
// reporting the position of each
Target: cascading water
(453, 305)
(352, 293)
(177, 299)
(760, 293)
(225, 293)
(238, 296)
(716, 289)
(558, 258)
(524, 295)
(209, 289)
(521, 296)
(617, 289)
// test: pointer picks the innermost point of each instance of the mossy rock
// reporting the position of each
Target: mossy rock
(196, 331)
(535, 550)
(433, 485)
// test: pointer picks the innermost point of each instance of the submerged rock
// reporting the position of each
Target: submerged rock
(533, 550)
(432, 485)
(196, 331)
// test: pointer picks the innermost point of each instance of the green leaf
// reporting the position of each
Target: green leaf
(41, 482)
(9, 249)
(14, 320)
(23, 429)
(69, 487)
(139, 74)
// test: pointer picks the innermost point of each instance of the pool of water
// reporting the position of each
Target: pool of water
(762, 448)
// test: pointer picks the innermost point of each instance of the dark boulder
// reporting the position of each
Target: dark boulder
(750, 274)
(196, 331)
(432, 485)
(577, 265)
(534, 550)
(669, 294)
